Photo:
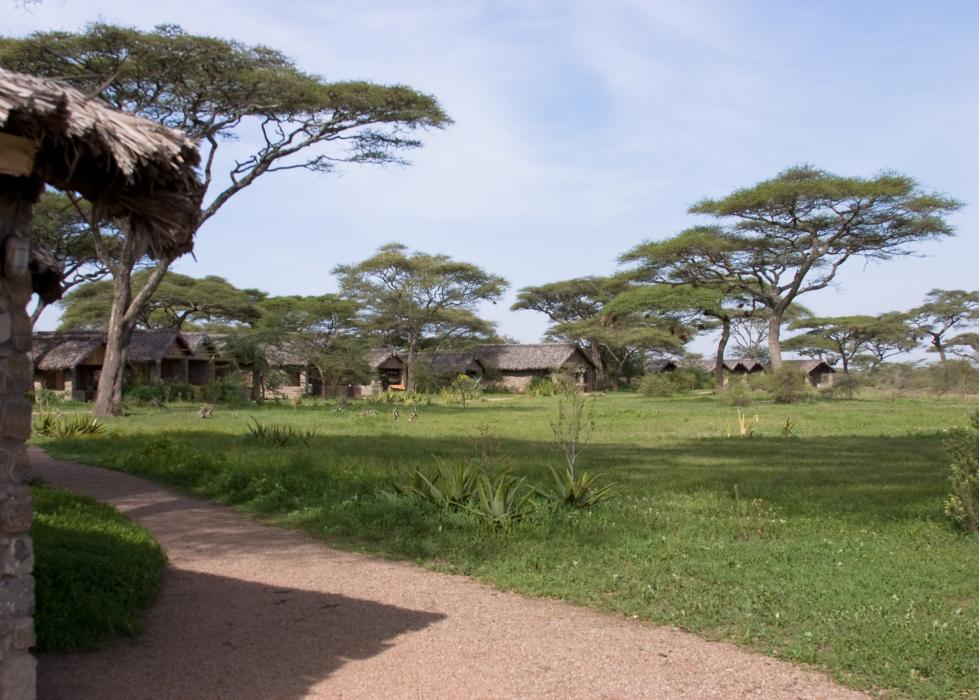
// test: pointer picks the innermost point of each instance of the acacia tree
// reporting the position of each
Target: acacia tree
(788, 236)
(416, 300)
(702, 307)
(63, 234)
(966, 346)
(322, 332)
(216, 90)
(573, 301)
(179, 301)
(943, 311)
(891, 335)
(832, 338)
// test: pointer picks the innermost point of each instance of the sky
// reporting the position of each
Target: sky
(583, 128)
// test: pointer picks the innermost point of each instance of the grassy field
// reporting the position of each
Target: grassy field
(96, 571)
(828, 546)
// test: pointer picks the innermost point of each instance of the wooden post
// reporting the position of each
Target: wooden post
(17, 666)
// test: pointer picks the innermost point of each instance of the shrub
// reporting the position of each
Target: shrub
(278, 435)
(788, 384)
(46, 398)
(161, 392)
(658, 384)
(462, 389)
(228, 389)
(60, 426)
(736, 393)
(449, 486)
(541, 386)
(962, 505)
(845, 386)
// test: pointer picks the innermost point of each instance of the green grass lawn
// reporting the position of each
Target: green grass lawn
(847, 561)
(96, 571)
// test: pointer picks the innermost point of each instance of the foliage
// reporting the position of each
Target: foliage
(278, 434)
(962, 506)
(736, 393)
(860, 491)
(95, 571)
(462, 389)
(158, 393)
(788, 428)
(572, 427)
(577, 491)
(228, 389)
(451, 485)
(944, 310)
(503, 501)
(754, 517)
(746, 425)
(788, 384)
(417, 300)
(59, 426)
(179, 301)
(541, 386)
(44, 399)
(658, 384)
(214, 90)
(788, 236)
(846, 386)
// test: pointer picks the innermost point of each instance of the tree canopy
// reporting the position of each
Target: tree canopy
(216, 91)
(418, 301)
(943, 311)
(789, 235)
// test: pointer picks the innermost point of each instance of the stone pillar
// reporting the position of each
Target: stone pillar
(17, 669)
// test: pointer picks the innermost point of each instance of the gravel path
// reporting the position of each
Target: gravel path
(252, 612)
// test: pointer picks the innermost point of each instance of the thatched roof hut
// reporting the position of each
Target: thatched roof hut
(454, 363)
(64, 350)
(819, 373)
(660, 365)
(538, 357)
(131, 169)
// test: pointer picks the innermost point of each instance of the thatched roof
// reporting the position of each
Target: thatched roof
(452, 362)
(735, 365)
(64, 350)
(539, 357)
(154, 345)
(660, 365)
(204, 346)
(378, 356)
(131, 169)
(810, 366)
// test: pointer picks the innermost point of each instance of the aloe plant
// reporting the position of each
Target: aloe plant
(581, 491)
(502, 501)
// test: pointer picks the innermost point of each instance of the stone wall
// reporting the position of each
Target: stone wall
(17, 670)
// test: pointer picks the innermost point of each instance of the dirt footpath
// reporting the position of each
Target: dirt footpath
(252, 612)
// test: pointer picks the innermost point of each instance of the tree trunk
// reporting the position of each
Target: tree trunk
(719, 358)
(410, 369)
(125, 311)
(937, 342)
(774, 343)
(255, 391)
(846, 364)
(108, 395)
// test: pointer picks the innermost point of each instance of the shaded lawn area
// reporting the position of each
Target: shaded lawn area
(827, 547)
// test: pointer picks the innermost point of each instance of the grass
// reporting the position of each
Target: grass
(96, 571)
(827, 547)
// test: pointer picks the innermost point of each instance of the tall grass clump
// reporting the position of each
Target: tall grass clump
(56, 425)
(277, 434)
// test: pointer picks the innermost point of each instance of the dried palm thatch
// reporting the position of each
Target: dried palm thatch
(134, 171)
(539, 357)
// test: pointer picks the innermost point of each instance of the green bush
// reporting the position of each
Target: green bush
(541, 386)
(658, 384)
(161, 392)
(278, 435)
(845, 386)
(230, 388)
(788, 384)
(95, 571)
(462, 389)
(736, 393)
(962, 506)
(577, 491)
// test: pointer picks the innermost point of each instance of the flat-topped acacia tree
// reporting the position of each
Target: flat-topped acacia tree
(216, 90)
(789, 235)
(419, 301)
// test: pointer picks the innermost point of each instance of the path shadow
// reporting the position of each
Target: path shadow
(217, 637)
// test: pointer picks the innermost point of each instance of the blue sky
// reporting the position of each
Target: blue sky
(583, 128)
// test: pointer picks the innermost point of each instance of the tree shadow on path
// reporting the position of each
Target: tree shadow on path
(215, 637)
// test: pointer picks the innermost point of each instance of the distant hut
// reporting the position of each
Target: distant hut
(451, 364)
(132, 171)
(819, 374)
(207, 362)
(519, 365)
(660, 366)
(69, 362)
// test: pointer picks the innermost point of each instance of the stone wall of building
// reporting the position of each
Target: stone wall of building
(17, 669)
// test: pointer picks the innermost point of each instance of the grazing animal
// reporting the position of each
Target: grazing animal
(339, 408)
(206, 412)
(395, 413)
(369, 413)
(413, 415)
